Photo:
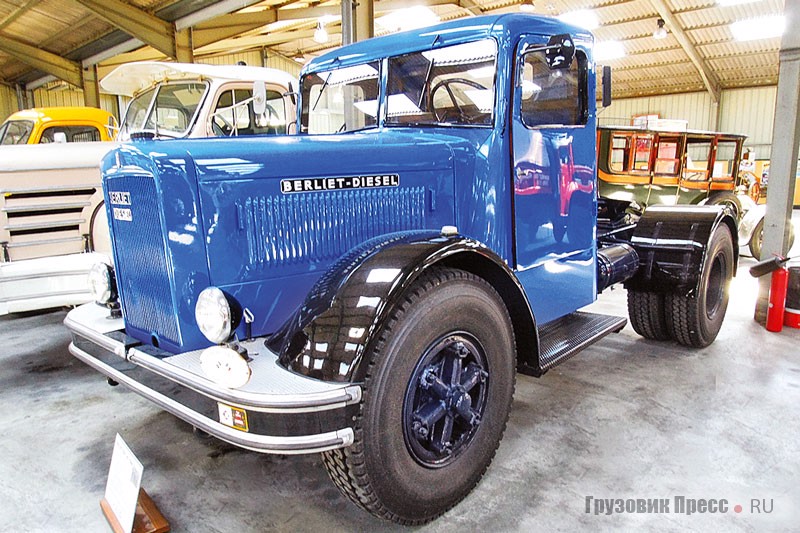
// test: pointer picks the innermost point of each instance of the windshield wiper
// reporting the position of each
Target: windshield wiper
(425, 84)
(322, 90)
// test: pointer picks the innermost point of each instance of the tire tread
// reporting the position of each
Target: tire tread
(346, 466)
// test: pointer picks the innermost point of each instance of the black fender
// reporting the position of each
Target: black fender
(342, 317)
(672, 242)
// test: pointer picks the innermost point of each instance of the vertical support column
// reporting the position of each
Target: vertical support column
(783, 161)
(358, 20)
(184, 51)
(22, 97)
(91, 88)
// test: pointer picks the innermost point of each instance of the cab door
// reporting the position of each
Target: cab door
(553, 144)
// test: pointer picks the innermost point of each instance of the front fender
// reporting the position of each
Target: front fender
(342, 316)
(672, 242)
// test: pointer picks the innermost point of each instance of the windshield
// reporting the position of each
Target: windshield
(16, 132)
(165, 110)
(340, 100)
(453, 85)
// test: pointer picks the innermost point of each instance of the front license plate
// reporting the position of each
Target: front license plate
(233, 417)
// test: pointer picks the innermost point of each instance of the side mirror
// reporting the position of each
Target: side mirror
(560, 51)
(606, 86)
(59, 137)
(259, 98)
(291, 94)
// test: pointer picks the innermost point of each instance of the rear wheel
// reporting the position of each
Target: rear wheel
(727, 199)
(647, 311)
(436, 400)
(757, 239)
(695, 320)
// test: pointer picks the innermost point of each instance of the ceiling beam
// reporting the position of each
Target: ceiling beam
(231, 25)
(140, 24)
(19, 11)
(710, 80)
(59, 67)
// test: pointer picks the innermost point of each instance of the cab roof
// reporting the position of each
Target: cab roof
(71, 113)
(131, 78)
(457, 31)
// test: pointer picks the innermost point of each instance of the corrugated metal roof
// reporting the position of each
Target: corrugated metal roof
(66, 28)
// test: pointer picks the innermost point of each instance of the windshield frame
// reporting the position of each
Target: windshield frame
(4, 130)
(125, 133)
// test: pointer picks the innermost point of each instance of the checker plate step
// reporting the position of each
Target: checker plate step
(562, 338)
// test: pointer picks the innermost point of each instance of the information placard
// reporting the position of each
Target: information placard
(124, 481)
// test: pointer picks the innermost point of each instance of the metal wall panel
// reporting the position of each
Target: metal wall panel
(254, 59)
(751, 112)
(8, 102)
(695, 107)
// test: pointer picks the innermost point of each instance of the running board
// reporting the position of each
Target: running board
(562, 338)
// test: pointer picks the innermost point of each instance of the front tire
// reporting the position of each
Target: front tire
(696, 320)
(436, 400)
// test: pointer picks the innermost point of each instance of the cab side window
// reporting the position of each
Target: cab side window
(71, 134)
(553, 97)
(233, 114)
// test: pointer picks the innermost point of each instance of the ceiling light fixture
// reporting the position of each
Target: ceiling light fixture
(759, 28)
(607, 50)
(661, 31)
(321, 34)
(735, 2)
(409, 18)
(585, 18)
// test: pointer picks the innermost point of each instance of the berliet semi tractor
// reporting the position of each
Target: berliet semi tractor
(369, 287)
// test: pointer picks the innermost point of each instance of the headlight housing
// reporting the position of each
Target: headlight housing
(102, 283)
(213, 315)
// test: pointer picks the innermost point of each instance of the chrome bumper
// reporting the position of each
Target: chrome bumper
(46, 282)
(272, 395)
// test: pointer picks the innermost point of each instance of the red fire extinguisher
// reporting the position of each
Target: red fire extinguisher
(777, 299)
(777, 289)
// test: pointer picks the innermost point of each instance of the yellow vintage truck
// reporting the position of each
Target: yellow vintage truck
(43, 125)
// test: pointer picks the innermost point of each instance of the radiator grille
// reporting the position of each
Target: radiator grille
(142, 261)
(285, 230)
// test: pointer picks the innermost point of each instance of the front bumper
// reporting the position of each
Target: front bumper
(46, 282)
(286, 413)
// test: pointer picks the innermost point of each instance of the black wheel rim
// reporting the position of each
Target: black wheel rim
(445, 400)
(716, 285)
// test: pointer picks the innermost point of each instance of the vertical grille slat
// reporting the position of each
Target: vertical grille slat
(296, 228)
(142, 264)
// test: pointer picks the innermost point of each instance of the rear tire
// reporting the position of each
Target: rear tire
(436, 400)
(696, 320)
(728, 199)
(647, 312)
(757, 239)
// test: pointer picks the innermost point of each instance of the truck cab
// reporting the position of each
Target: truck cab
(370, 287)
(44, 125)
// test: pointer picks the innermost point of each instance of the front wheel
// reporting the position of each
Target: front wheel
(695, 320)
(436, 400)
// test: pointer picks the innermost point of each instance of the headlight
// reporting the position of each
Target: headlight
(102, 284)
(213, 315)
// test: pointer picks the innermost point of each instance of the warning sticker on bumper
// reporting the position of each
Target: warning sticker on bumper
(233, 417)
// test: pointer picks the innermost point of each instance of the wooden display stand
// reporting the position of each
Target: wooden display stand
(148, 518)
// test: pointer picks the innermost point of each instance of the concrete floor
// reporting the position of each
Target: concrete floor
(627, 418)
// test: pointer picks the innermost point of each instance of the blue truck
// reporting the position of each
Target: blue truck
(369, 287)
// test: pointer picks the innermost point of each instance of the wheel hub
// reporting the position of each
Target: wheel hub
(445, 400)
